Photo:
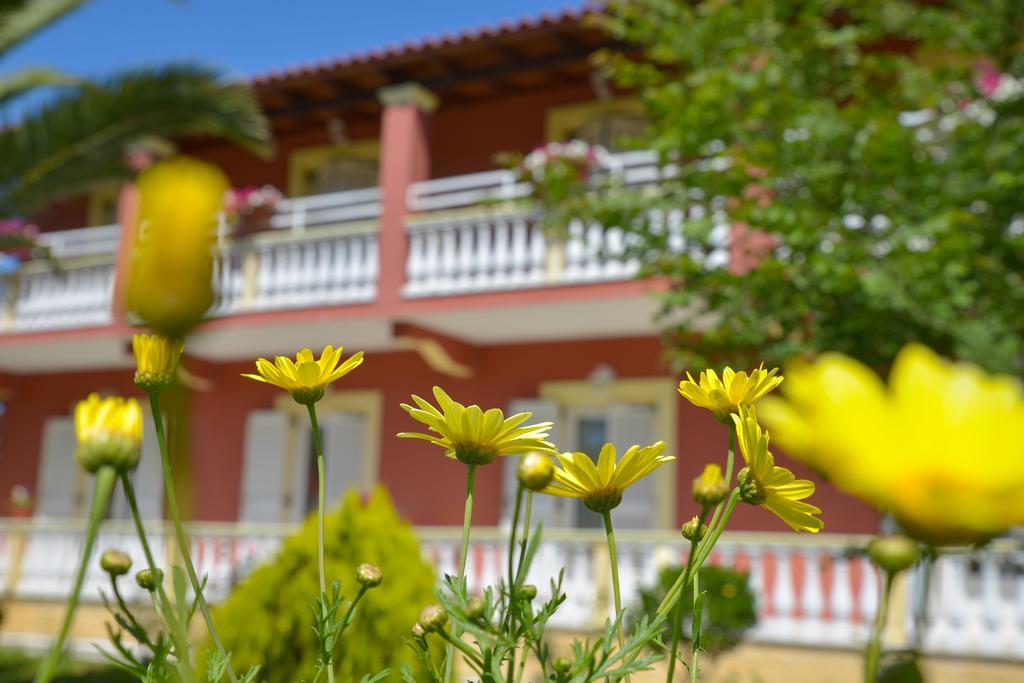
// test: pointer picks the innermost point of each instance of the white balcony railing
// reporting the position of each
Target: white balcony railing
(507, 250)
(102, 239)
(810, 592)
(42, 296)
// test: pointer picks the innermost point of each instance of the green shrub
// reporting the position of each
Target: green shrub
(729, 606)
(16, 667)
(267, 619)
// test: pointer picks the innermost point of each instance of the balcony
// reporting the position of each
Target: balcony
(466, 234)
(810, 591)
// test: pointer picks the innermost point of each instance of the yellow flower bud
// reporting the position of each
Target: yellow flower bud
(709, 488)
(156, 360)
(109, 432)
(528, 592)
(476, 608)
(170, 281)
(535, 470)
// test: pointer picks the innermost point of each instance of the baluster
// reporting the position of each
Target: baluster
(464, 275)
(432, 258)
(615, 265)
(870, 588)
(538, 250)
(519, 256)
(995, 615)
(841, 627)
(783, 595)
(414, 265)
(502, 254)
(812, 601)
(346, 266)
(595, 259)
(484, 257)
(574, 252)
(449, 258)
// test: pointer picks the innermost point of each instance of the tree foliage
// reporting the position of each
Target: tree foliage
(80, 139)
(861, 157)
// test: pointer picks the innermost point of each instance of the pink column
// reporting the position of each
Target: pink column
(404, 160)
(127, 216)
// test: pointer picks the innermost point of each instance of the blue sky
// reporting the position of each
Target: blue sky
(247, 37)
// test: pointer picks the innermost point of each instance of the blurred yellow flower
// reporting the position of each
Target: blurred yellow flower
(473, 436)
(940, 448)
(601, 486)
(156, 360)
(724, 396)
(109, 432)
(763, 483)
(170, 280)
(305, 378)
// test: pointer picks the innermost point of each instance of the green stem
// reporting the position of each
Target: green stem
(705, 549)
(138, 632)
(467, 521)
(102, 488)
(178, 638)
(729, 460)
(315, 427)
(347, 621)
(179, 531)
(613, 558)
(677, 615)
(509, 618)
(695, 633)
(873, 651)
(526, 538)
(454, 642)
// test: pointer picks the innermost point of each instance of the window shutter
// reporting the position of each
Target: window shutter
(263, 469)
(298, 498)
(57, 489)
(345, 464)
(553, 511)
(630, 425)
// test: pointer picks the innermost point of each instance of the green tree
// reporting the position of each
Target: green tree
(869, 150)
(79, 139)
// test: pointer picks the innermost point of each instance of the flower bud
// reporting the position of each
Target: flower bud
(535, 471)
(894, 553)
(709, 488)
(369, 575)
(149, 579)
(528, 592)
(433, 618)
(476, 609)
(156, 362)
(109, 433)
(562, 665)
(115, 563)
(417, 631)
(694, 530)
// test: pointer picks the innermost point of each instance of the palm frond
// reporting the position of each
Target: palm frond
(25, 80)
(21, 19)
(80, 139)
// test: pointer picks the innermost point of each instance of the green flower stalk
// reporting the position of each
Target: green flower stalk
(315, 426)
(179, 531)
(103, 486)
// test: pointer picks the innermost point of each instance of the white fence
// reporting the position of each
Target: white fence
(101, 239)
(78, 293)
(810, 592)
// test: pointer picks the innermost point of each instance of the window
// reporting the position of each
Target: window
(103, 205)
(585, 417)
(608, 124)
(333, 168)
(279, 472)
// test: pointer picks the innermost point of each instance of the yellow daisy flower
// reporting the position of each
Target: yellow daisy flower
(725, 396)
(601, 486)
(109, 433)
(763, 483)
(156, 359)
(473, 436)
(306, 377)
(941, 447)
